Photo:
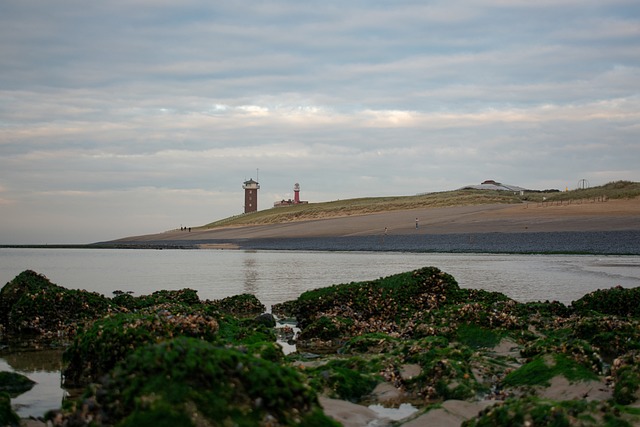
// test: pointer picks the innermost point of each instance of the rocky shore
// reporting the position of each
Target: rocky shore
(412, 349)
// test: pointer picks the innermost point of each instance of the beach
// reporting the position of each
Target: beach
(583, 226)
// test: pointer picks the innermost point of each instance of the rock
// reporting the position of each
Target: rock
(452, 414)
(387, 395)
(266, 319)
(539, 412)
(95, 351)
(189, 382)
(562, 389)
(409, 371)
(7, 416)
(14, 384)
(348, 414)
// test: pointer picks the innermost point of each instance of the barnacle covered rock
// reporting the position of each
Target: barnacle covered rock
(97, 349)
(243, 305)
(190, 382)
(534, 411)
(618, 301)
(184, 296)
(576, 349)
(30, 304)
(625, 371)
(14, 384)
(7, 416)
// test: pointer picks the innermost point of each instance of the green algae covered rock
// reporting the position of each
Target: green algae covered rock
(99, 347)
(618, 301)
(30, 304)
(388, 298)
(184, 296)
(626, 373)
(190, 382)
(14, 384)
(348, 379)
(533, 411)
(96, 350)
(7, 416)
(243, 305)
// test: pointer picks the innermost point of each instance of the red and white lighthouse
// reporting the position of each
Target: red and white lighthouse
(296, 193)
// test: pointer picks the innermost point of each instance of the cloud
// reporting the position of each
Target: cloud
(108, 114)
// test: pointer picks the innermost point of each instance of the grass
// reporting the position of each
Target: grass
(368, 205)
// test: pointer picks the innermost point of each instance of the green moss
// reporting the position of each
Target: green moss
(614, 336)
(625, 389)
(96, 350)
(542, 369)
(562, 342)
(184, 296)
(245, 332)
(446, 371)
(31, 304)
(189, 378)
(618, 301)
(548, 413)
(15, 384)
(323, 328)
(348, 379)
(7, 416)
(478, 337)
(243, 305)
(370, 343)
(393, 297)
(343, 383)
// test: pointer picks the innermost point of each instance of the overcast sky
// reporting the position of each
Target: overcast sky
(131, 117)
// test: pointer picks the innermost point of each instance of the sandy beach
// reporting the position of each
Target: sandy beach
(522, 221)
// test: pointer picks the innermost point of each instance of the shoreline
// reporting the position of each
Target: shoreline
(622, 242)
(607, 227)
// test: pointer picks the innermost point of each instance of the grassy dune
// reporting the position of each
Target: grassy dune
(363, 206)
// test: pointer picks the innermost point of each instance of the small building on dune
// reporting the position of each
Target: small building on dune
(296, 198)
(495, 186)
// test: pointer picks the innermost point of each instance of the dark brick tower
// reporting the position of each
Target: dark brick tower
(251, 188)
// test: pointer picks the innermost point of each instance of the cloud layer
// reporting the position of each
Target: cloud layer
(120, 118)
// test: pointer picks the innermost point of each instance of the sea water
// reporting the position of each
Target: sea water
(277, 276)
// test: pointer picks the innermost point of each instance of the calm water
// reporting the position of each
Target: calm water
(276, 276)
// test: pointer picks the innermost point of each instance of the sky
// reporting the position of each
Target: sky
(124, 118)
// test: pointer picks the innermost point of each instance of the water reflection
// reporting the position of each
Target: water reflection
(250, 273)
(44, 368)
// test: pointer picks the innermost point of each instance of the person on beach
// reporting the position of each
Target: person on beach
(416, 223)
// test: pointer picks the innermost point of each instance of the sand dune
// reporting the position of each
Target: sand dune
(612, 215)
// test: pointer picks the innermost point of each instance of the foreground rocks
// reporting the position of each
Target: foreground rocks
(416, 339)
(429, 342)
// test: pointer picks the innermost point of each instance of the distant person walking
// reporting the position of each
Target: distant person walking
(416, 223)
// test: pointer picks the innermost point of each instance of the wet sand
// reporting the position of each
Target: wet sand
(455, 228)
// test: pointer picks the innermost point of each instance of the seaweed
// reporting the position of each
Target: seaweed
(14, 384)
(186, 379)
(539, 412)
(7, 416)
(96, 350)
(540, 370)
(617, 301)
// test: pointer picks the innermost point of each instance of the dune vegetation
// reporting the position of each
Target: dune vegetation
(367, 205)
